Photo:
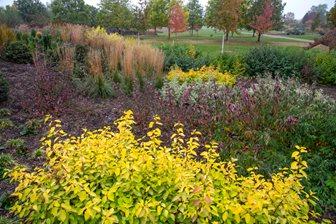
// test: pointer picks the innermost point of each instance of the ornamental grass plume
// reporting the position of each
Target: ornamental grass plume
(95, 65)
(66, 56)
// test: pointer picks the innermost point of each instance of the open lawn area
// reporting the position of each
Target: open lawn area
(209, 41)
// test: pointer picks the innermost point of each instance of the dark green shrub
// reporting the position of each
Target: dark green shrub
(4, 88)
(96, 86)
(18, 52)
(127, 85)
(324, 67)
(183, 56)
(81, 57)
(267, 60)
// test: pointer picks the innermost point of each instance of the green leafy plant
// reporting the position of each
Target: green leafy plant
(233, 64)
(324, 66)
(19, 145)
(6, 161)
(18, 52)
(183, 56)
(5, 123)
(4, 112)
(31, 127)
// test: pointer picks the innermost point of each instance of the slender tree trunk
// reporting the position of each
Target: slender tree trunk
(254, 31)
(168, 33)
(259, 36)
(222, 51)
(226, 36)
(192, 31)
(155, 32)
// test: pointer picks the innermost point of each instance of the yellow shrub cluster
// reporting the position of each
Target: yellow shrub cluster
(204, 74)
(6, 35)
(107, 176)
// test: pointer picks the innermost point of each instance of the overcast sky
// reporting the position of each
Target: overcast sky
(299, 7)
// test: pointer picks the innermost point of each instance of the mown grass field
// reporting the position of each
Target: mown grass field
(209, 41)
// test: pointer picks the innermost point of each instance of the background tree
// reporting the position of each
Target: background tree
(92, 14)
(332, 16)
(72, 11)
(277, 16)
(32, 11)
(264, 21)
(10, 16)
(158, 15)
(195, 18)
(115, 14)
(289, 20)
(177, 19)
(316, 17)
(223, 15)
(250, 10)
(140, 16)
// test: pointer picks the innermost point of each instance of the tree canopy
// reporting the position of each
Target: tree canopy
(73, 11)
(195, 18)
(32, 11)
(115, 14)
(229, 13)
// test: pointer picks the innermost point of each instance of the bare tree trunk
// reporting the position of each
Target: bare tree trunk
(192, 31)
(259, 37)
(226, 36)
(254, 31)
(222, 51)
(155, 32)
(168, 33)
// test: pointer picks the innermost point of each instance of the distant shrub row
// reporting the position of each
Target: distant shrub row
(311, 66)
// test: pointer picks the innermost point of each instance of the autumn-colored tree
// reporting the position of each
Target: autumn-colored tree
(177, 19)
(264, 21)
(223, 15)
(195, 18)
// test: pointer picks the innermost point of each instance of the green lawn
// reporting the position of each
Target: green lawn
(209, 41)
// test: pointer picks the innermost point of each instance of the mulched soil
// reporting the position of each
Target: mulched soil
(77, 113)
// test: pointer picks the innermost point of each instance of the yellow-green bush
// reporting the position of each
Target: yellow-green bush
(7, 35)
(108, 177)
(204, 74)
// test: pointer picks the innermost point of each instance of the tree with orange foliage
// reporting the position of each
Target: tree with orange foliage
(177, 19)
(264, 21)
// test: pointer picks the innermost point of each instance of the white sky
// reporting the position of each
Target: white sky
(299, 7)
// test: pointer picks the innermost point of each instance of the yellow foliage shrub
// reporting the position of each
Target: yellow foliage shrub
(204, 74)
(107, 176)
(7, 35)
